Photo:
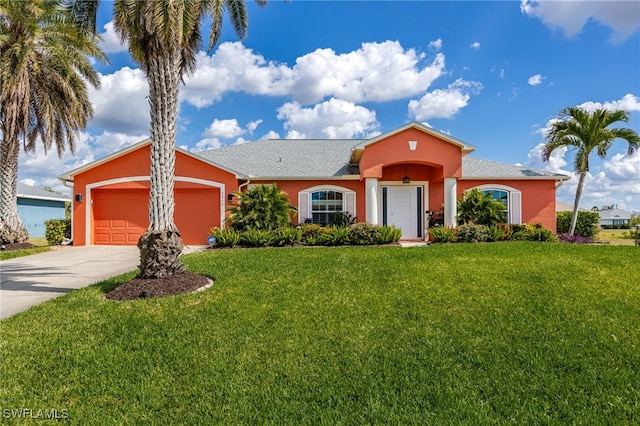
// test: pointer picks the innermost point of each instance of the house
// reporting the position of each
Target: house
(615, 218)
(394, 178)
(36, 206)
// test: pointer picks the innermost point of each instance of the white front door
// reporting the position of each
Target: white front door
(402, 208)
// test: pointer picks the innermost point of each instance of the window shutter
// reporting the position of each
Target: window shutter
(303, 206)
(350, 203)
(515, 207)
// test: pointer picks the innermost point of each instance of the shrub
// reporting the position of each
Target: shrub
(337, 236)
(227, 237)
(256, 238)
(343, 219)
(480, 208)
(586, 225)
(363, 234)
(56, 230)
(388, 234)
(532, 232)
(499, 232)
(286, 236)
(311, 232)
(443, 234)
(261, 207)
(472, 233)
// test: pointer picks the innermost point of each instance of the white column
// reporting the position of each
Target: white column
(371, 185)
(450, 206)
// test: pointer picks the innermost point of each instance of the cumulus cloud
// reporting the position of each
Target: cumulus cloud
(622, 17)
(475, 45)
(535, 80)
(444, 103)
(335, 118)
(121, 105)
(376, 72)
(225, 129)
(110, 42)
(29, 182)
(628, 102)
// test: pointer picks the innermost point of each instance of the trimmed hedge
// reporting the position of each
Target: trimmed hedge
(307, 235)
(471, 232)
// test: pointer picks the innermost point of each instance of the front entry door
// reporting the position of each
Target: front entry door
(402, 208)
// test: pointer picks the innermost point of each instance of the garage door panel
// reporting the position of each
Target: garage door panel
(122, 215)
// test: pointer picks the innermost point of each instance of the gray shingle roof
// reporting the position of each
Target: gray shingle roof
(477, 168)
(290, 158)
(26, 191)
(615, 214)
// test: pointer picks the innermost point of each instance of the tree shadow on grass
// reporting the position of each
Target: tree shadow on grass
(110, 284)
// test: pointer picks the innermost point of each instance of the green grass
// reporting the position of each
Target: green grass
(615, 236)
(516, 333)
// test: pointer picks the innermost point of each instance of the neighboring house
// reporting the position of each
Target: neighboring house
(566, 207)
(36, 206)
(394, 178)
(614, 218)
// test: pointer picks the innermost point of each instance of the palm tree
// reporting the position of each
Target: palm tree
(585, 132)
(44, 68)
(163, 37)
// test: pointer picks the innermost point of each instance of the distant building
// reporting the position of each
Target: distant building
(615, 218)
(35, 206)
(566, 207)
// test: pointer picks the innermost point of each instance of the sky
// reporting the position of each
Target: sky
(494, 74)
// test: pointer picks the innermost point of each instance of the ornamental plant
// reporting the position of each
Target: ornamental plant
(264, 207)
(480, 208)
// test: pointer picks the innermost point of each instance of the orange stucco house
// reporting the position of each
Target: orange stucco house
(394, 178)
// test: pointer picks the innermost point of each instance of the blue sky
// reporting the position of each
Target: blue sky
(490, 73)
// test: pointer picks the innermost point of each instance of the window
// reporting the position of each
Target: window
(501, 196)
(325, 205)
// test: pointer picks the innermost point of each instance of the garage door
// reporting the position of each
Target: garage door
(122, 215)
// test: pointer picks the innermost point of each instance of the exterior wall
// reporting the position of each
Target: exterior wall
(538, 198)
(293, 187)
(34, 213)
(430, 150)
(419, 173)
(136, 165)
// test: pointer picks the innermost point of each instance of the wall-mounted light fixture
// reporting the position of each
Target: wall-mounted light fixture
(79, 198)
(406, 178)
(230, 198)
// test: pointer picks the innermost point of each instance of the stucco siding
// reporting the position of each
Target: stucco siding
(34, 213)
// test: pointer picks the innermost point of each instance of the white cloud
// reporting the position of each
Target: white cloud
(110, 42)
(475, 45)
(29, 182)
(628, 102)
(535, 80)
(207, 143)
(271, 135)
(375, 72)
(622, 17)
(436, 44)
(444, 103)
(624, 168)
(121, 105)
(331, 119)
(225, 129)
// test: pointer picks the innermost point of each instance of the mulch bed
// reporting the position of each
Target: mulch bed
(139, 288)
(18, 246)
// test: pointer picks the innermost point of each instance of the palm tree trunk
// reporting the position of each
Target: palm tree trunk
(12, 230)
(576, 204)
(160, 246)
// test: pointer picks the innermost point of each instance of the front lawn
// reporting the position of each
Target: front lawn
(516, 332)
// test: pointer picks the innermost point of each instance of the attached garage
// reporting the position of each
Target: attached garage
(120, 216)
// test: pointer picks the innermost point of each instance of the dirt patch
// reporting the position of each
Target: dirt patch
(139, 288)
(18, 246)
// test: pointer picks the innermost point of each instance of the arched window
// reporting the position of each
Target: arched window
(510, 197)
(321, 204)
(500, 196)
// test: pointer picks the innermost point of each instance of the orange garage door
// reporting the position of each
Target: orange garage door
(122, 215)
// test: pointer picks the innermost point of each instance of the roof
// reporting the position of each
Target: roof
(288, 158)
(31, 192)
(475, 168)
(609, 214)
(567, 207)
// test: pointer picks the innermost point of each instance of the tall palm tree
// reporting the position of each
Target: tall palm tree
(585, 132)
(163, 37)
(44, 69)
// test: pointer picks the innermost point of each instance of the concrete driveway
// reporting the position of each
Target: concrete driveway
(30, 280)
